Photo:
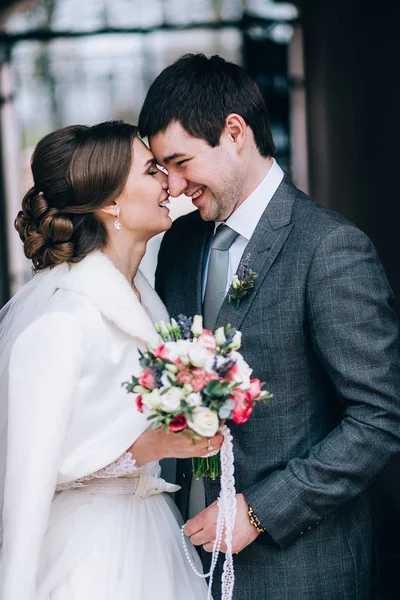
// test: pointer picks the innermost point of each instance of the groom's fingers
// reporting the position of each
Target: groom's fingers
(203, 536)
(206, 519)
(194, 525)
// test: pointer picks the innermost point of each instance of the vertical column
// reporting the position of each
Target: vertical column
(15, 262)
(298, 117)
(4, 274)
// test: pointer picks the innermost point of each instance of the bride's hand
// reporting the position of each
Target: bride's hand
(156, 444)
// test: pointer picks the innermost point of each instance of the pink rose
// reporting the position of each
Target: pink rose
(198, 378)
(243, 406)
(255, 389)
(178, 423)
(139, 403)
(147, 380)
(162, 352)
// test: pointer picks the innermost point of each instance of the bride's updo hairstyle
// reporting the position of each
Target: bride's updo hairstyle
(76, 170)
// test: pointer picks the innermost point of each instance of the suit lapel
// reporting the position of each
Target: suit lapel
(264, 246)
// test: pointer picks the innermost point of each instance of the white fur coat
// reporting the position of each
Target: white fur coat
(68, 413)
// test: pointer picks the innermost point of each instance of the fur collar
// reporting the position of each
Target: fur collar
(96, 278)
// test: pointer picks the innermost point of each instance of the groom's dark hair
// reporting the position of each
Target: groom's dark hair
(199, 93)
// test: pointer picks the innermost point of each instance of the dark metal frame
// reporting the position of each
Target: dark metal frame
(8, 40)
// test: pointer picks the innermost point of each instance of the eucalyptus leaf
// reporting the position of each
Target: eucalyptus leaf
(224, 413)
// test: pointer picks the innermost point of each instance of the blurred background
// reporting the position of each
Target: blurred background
(327, 68)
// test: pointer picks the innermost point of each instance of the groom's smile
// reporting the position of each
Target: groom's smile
(208, 175)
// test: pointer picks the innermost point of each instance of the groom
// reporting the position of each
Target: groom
(318, 327)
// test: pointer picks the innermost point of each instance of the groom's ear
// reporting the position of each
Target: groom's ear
(236, 129)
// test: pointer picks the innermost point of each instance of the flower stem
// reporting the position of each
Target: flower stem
(207, 467)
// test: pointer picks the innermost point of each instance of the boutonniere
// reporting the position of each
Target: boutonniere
(242, 282)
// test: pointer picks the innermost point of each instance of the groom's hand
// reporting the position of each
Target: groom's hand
(202, 528)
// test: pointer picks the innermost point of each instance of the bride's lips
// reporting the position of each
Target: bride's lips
(165, 200)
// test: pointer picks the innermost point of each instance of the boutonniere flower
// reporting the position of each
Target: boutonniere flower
(242, 282)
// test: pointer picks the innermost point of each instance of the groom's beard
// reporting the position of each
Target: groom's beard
(220, 205)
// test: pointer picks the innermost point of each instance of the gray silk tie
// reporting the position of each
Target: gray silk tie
(217, 274)
(213, 298)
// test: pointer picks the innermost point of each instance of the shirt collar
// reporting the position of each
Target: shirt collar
(245, 218)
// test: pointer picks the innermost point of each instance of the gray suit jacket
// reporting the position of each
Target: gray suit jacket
(319, 328)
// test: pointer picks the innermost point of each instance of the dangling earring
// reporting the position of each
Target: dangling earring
(117, 223)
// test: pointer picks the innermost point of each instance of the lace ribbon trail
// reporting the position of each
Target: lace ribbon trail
(225, 522)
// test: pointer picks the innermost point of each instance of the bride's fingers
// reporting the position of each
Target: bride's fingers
(217, 440)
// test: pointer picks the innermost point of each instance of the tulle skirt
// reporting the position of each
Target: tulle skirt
(116, 547)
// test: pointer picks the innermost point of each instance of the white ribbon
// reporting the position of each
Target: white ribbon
(225, 521)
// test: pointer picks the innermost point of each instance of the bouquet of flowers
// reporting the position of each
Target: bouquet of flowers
(194, 381)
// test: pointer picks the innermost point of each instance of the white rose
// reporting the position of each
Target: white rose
(197, 327)
(205, 422)
(171, 400)
(147, 411)
(220, 338)
(153, 399)
(198, 355)
(172, 354)
(194, 399)
(244, 372)
(237, 340)
(235, 282)
(182, 348)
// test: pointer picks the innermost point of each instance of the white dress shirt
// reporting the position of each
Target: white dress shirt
(245, 219)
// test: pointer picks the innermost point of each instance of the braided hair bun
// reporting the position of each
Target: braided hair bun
(46, 234)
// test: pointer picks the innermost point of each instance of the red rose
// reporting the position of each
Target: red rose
(178, 423)
(255, 388)
(162, 352)
(147, 380)
(139, 403)
(243, 406)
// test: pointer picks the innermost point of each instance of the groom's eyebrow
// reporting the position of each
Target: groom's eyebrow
(168, 159)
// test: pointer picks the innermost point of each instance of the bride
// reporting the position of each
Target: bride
(85, 516)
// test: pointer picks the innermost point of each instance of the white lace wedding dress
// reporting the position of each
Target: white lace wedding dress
(116, 536)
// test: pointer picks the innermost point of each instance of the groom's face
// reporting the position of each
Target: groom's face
(209, 176)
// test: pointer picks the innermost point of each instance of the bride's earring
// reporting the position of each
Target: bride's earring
(117, 223)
